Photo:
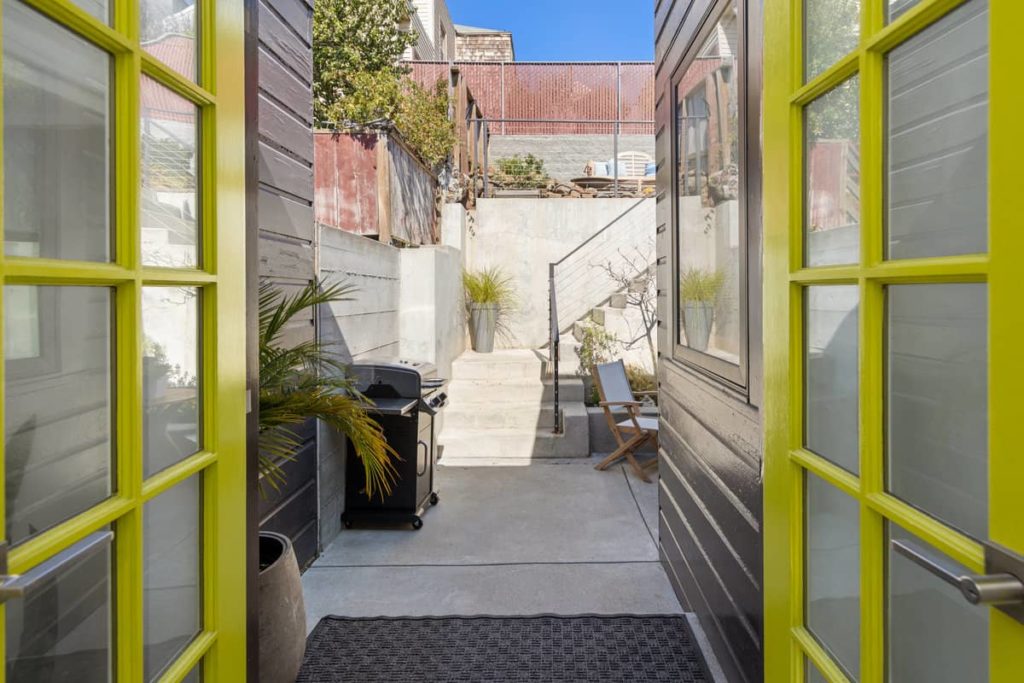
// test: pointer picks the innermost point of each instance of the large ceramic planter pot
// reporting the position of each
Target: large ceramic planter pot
(282, 611)
(483, 321)
(698, 317)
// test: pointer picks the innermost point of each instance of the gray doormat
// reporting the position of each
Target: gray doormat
(575, 649)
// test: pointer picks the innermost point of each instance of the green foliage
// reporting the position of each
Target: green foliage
(357, 79)
(521, 173)
(697, 284)
(356, 48)
(374, 96)
(832, 29)
(491, 286)
(640, 379)
(303, 381)
(422, 119)
(596, 347)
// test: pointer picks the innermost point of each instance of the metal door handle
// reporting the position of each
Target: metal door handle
(17, 585)
(998, 589)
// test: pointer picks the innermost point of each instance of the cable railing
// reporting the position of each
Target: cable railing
(582, 279)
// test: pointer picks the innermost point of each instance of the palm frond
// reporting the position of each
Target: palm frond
(306, 381)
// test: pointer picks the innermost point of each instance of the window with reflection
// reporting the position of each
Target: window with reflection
(170, 173)
(169, 33)
(59, 409)
(171, 369)
(57, 140)
(832, 176)
(831, 31)
(709, 184)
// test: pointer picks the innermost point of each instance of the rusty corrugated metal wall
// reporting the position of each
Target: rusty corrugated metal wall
(345, 181)
(578, 92)
(371, 184)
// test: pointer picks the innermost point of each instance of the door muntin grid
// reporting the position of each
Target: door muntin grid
(898, 370)
(46, 266)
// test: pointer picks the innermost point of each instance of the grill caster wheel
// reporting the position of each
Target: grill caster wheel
(348, 524)
(434, 499)
(417, 524)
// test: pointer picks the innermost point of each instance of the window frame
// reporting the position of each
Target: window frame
(734, 376)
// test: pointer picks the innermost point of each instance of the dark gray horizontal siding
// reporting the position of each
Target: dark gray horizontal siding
(285, 217)
(711, 438)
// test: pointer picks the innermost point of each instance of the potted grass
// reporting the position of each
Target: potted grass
(699, 290)
(298, 383)
(490, 298)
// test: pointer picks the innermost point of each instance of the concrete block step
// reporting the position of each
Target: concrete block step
(498, 366)
(512, 444)
(514, 391)
(527, 444)
(617, 301)
(509, 415)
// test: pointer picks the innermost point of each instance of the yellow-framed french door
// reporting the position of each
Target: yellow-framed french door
(892, 312)
(123, 271)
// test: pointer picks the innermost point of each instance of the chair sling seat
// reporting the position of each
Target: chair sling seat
(613, 388)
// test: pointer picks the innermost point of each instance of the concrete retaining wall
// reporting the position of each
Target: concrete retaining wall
(367, 325)
(409, 305)
(523, 236)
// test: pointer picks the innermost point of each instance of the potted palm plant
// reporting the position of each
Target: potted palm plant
(490, 298)
(699, 290)
(297, 383)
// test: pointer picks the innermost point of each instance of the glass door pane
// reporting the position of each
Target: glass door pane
(832, 176)
(832, 541)
(62, 629)
(173, 568)
(937, 401)
(169, 30)
(934, 634)
(57, 140)
(831, 392)
(59, 417)
(937, 142)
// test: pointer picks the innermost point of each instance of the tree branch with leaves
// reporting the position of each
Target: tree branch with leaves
(636, 275)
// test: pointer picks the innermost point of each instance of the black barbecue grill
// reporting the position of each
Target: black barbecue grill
(406, 396)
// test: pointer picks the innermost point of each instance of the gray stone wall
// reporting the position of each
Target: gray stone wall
(565, 156)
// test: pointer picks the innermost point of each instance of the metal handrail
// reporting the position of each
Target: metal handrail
(555, 340)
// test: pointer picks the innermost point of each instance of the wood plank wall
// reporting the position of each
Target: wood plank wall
(711, 435)
(285, 218)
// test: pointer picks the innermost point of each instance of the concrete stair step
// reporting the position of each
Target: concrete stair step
(514, 391)
(462, 443)
(529, 415)
(511, 444)
(500, 365)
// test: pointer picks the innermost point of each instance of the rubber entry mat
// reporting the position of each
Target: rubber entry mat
(562, 649)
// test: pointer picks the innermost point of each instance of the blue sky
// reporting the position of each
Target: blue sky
(567, 30)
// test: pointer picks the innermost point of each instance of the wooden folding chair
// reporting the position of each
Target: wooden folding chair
(615, 392)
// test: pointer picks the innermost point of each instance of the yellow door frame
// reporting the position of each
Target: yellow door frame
(219, 93)
(787, 641)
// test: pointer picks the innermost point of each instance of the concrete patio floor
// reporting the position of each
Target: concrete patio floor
(553, 537)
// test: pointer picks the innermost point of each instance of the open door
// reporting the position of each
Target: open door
(894, 525)
(123, 457)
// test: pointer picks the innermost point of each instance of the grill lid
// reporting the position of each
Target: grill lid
(390, 378)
